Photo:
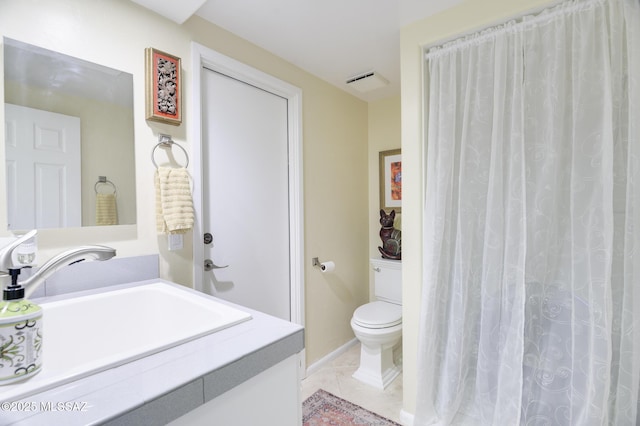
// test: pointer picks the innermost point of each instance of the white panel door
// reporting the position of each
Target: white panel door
(43, 169)
(246, 194)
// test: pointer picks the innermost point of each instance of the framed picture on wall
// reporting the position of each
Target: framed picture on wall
(163, 87)
(391, 180)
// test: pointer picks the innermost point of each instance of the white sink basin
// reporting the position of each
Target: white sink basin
(88, 334)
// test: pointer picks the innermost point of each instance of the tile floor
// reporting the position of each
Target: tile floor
(335, 378)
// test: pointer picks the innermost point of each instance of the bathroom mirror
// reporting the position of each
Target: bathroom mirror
(68, 138)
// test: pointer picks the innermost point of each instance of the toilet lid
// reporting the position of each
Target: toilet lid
(378, 315)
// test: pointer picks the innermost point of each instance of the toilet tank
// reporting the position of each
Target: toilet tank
(388, 280)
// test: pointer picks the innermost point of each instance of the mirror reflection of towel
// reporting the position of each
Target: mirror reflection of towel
(174, 204)
(106, 210)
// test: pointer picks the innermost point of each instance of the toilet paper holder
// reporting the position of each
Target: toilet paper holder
(323, 266)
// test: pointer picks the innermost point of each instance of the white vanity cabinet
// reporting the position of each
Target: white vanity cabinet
(245, 374)
(270, 398)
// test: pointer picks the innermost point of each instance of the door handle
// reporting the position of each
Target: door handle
(209, 265)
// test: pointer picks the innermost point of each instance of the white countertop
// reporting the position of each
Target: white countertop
(108, 394)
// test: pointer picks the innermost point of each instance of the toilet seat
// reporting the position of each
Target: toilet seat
(378, 315)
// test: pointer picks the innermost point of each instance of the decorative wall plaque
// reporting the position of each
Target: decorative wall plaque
(163, 87)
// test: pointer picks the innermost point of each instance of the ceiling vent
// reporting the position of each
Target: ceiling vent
(367, 82)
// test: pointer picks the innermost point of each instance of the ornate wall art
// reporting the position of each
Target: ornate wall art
(391, 180)
(163, 87)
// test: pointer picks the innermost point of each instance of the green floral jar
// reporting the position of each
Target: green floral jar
(20, 340)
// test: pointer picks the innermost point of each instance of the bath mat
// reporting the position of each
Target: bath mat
(323, 408)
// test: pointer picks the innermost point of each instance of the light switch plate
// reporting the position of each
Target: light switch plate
(176, 242)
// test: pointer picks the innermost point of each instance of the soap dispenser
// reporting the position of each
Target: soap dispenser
(20, 334)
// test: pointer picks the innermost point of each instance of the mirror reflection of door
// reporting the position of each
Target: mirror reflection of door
(43, 169)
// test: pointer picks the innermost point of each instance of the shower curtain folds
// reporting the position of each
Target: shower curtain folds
(530, 315)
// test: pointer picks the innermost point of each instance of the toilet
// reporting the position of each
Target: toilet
(378, 325)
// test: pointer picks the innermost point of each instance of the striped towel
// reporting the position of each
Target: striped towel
(106, 210)
(174, 204)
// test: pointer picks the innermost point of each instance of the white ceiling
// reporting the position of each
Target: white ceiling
(332, 39)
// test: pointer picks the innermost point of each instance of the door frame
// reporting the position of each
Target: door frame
(202, 56)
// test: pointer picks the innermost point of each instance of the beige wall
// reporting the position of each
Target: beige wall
(384, 134)
(114, 33)
(467, 17)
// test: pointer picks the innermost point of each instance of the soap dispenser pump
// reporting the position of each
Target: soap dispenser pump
(20, 334)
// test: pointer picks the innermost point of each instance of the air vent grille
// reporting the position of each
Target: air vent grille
(367, 82)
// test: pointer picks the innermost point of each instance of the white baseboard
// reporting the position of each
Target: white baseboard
(406, 418)
(331, 356)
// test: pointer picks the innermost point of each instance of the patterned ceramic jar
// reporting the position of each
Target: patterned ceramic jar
(20, 340)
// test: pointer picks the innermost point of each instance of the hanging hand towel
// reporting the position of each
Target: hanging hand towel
(174, 204)
(106, 209)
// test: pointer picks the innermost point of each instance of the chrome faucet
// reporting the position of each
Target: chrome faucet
(68, 257)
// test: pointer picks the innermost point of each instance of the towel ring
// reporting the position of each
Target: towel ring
(166, 142)
(102, 180)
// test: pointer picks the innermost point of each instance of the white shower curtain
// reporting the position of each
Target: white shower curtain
(531, 298)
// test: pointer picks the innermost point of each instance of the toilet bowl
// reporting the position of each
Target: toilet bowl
(378, 326)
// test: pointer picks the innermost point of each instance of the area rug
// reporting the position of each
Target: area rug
(323, 408)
